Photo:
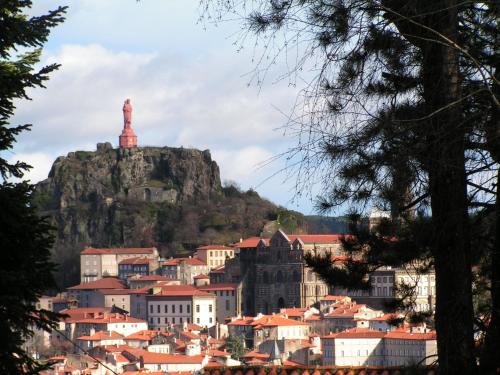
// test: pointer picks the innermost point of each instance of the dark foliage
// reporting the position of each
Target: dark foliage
(25, 238)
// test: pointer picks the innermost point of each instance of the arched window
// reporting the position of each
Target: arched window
(281, 303)
(310, 276)
(279, 277)
(265, 277)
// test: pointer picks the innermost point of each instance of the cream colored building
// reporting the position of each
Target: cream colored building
(214, 255)
(174, 304)
(98, 263)
(366, 347)
(228, 299)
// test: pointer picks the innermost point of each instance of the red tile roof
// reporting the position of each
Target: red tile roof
(334, 298)
(176, 261)
(353, 333)
(221, 286)
(144, 335)
(136, 260)
(201, 276)
(345, 311)
(316, 238)
(218, 353)
(193, 327)
(107, 318)
(181, 290)
(386, 317)
(214, 247)
(106, 283)
(218, 269)
(294, 311)
(118, 250)
(102, 335)
(82, 312)
(266, 321)
(411, 336)
(256, 354)
(250, 242)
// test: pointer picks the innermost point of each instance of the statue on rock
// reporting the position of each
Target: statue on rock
(128, 139)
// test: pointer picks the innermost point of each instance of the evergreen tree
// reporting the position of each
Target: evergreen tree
(235, 345)
(387, 111)
(25, 239)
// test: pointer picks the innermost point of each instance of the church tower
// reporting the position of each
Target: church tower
(128, 139)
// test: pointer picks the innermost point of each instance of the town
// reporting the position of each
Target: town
(253, 302)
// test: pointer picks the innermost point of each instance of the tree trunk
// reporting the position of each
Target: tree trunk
(490, 356)
(445, 164)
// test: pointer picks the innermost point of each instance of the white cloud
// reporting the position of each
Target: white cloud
(40, 162)
(201, 103)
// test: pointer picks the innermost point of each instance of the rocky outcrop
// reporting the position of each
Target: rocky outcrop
(167, 197)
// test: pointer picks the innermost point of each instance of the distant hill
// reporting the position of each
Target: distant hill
(171, 198)
(325, 224)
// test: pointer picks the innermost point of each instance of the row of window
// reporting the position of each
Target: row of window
(173, 320)
(173, 309)
(128, 267)
(222, 292)
(220, 253)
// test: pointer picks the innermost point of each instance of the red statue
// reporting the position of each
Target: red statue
(128, 138)
(127, 113)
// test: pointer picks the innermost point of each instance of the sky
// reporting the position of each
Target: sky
(189, 82)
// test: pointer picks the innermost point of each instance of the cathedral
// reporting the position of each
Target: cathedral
(281, 277)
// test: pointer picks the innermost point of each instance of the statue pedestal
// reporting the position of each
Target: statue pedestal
(128, 139)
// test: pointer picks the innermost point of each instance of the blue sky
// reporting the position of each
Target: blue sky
(189, 82)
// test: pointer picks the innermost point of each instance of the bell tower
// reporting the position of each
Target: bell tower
(128, 139)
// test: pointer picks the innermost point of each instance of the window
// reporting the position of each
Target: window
(173, 309)
(180, 309)
(227, 305)
(227, 293)
(173, 320)
(180, 320)
(188, 320)
(166, 309)
(198, 320)
(158, 309)
(158, 320)
(198, 309)
(310, 276)
(210, 320)
(166, 321)
(151, 309)
(188, 308)
(232, 293)
(210, 308)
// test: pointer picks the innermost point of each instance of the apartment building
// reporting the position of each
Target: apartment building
(184, 269)
(214, 255)
(173, 304)
(98, 263)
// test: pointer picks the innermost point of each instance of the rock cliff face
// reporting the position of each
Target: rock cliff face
(171, 198)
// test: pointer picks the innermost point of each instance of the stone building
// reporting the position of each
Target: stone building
(386, 283)
(282, 277)
(98, 263)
